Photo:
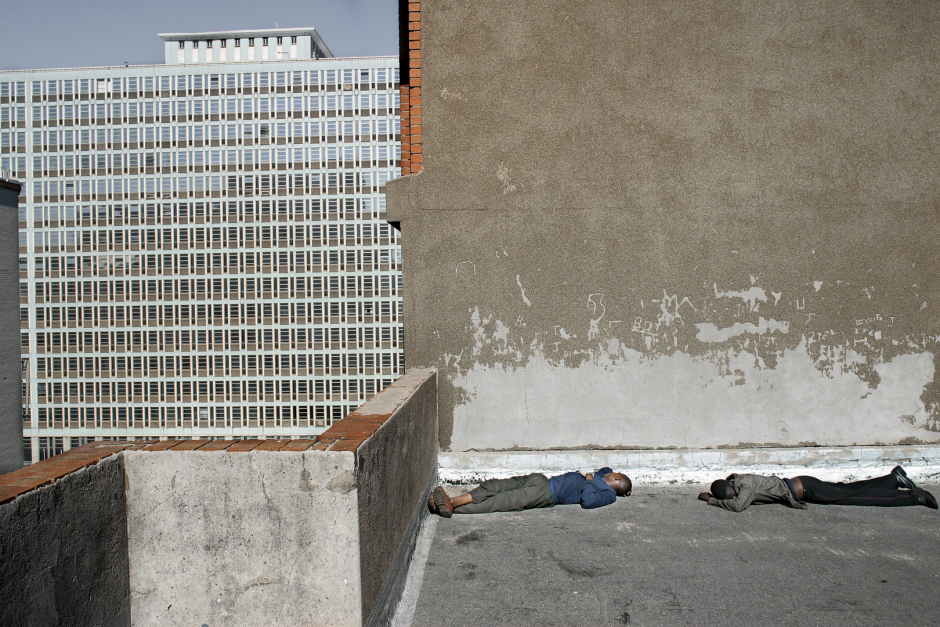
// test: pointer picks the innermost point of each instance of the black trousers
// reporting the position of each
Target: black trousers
(877, 492)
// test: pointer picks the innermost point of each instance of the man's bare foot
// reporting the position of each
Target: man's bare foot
(440, 503)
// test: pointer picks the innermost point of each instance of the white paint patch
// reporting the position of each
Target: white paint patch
(628, 400)
(750, 296)
(817, 285)
(524, 298)
(661, 467)
(708, 332)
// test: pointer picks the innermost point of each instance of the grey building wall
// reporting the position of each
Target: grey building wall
(11, 414)
(671, 224)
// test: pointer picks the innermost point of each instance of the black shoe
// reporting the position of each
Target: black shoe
(925, 498)
(902, 479)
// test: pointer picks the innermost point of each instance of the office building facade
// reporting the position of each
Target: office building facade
(203, 250)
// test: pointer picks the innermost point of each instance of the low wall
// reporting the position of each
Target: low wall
(299, 532)
(395, 471)
(224, 533)
(250, 538)
(669, 466)
(63, 541)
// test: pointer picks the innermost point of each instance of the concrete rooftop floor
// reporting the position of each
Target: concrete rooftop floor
(661, 557)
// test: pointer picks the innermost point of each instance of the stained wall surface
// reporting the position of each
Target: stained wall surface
(255, 538)
(63, 551)
(659, 224)
(11, 413)
(395, 470)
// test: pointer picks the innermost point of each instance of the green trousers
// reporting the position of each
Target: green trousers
(509, 495)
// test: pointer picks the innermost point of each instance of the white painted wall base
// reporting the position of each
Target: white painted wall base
(698, 466)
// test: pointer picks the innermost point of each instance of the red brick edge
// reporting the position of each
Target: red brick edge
(18, 482)
(411, 140)
(346, 435)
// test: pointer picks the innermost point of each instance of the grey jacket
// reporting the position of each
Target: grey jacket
(757, 489)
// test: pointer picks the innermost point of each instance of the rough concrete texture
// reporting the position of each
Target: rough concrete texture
(63, 551)
(697, 465)
(393, 468)
(656, 224)
(257, 538)
(663, 558)
(11, 411)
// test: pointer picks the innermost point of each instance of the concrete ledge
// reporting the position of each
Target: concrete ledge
(659, 467)
(63, 550)
(225, 532)
(261, 538)
(395, 469)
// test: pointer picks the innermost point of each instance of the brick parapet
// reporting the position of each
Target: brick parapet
(346, 435)
(411, 140)
(18, 482)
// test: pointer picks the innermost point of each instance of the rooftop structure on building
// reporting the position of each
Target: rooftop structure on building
(245, 45)
(203, 250)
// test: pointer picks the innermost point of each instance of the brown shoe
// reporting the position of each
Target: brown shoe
(441, 503)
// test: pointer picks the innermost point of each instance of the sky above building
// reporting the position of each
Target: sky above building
(60, 33)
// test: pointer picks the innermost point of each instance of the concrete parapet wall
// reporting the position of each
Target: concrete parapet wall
(224, 532)
(394, 471)
(63, 546)
(260, 538)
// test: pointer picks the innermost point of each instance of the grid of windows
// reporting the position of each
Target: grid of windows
(204, 254)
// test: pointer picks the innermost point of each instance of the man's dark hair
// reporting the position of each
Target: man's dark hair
(621, 486)
(722, 489)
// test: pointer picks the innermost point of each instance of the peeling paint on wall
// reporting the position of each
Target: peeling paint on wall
(710, 368)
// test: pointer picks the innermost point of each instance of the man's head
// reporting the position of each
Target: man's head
(722, 489)
(619, 482)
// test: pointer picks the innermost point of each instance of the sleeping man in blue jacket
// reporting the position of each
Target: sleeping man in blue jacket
(535, 490)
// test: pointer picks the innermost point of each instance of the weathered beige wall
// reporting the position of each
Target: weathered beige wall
(236, 539)
(647, 224)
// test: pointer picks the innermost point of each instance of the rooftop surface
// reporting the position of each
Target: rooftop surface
(661, 557)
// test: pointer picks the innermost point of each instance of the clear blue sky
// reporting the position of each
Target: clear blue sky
(77, 33)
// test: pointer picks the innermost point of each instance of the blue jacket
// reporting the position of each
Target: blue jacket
(572, 487)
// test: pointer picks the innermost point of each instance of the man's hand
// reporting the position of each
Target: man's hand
(589, 476)
(704, 496)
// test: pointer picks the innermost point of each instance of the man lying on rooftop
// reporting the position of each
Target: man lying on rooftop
(535, 490)
(737, 492)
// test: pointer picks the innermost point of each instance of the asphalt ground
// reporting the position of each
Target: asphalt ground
(661, 557)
